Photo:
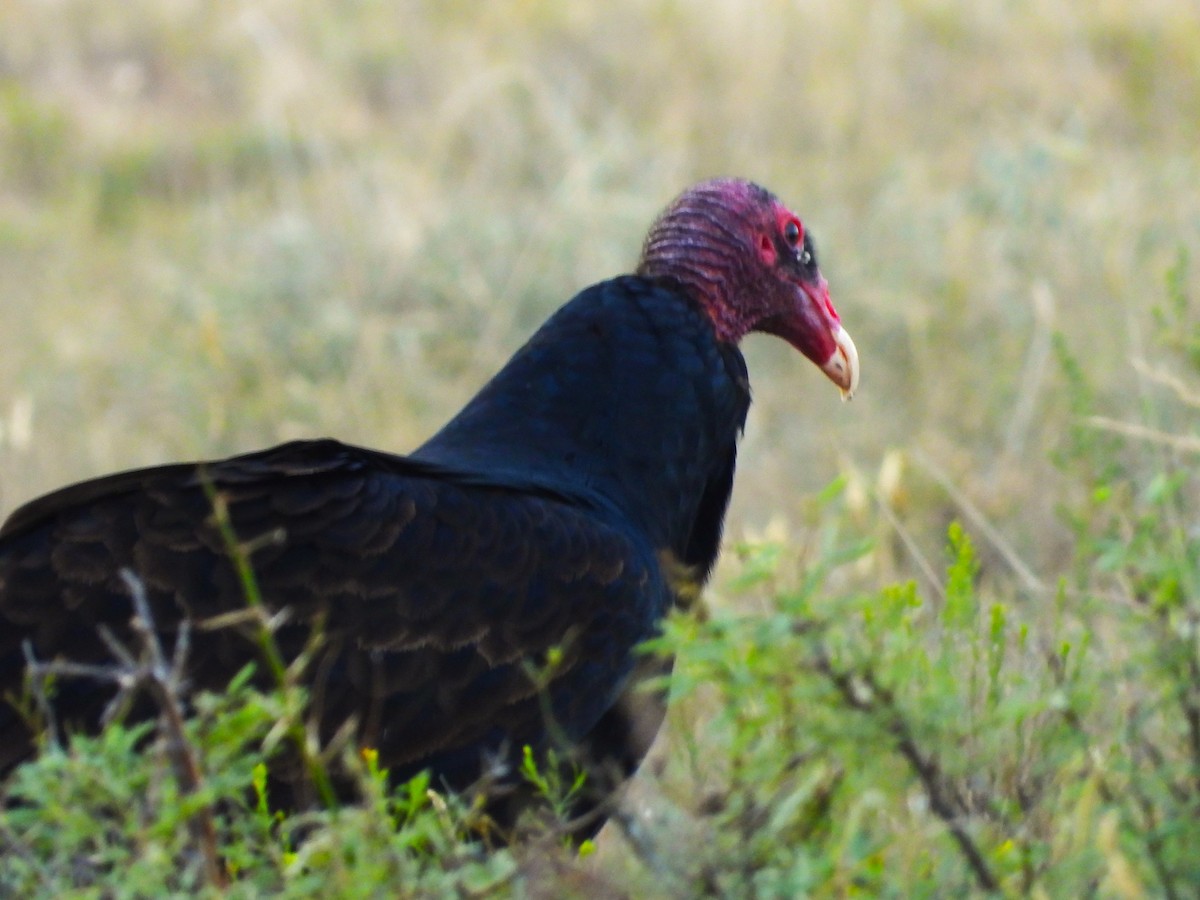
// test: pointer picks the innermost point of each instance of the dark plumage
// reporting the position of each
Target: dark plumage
(569, 505)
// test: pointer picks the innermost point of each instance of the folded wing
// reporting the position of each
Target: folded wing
(438, 596)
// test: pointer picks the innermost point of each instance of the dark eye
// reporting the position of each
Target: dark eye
(791, 233)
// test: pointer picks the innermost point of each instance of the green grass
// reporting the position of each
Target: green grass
(224, 227)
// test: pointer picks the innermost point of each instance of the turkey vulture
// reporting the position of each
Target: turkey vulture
(485, 593)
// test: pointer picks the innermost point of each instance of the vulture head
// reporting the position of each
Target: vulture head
(752, 264)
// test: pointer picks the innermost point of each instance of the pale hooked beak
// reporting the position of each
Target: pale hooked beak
(842, 367)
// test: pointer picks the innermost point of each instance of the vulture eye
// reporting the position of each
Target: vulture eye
(791, 232)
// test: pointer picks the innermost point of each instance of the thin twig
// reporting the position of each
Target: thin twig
(1185, 443)
(910, 544)
(976, 517)
(164, 684)
(37, 687)
(936, 790)
(1033, 374)
(239, 554)
(1165, 379)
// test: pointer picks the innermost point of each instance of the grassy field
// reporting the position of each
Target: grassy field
(226, 225)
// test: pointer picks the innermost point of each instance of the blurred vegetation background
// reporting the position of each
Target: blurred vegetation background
(224, 225)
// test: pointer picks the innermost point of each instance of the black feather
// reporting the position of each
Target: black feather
(540, 517)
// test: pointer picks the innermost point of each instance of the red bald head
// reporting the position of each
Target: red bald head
(748, 260)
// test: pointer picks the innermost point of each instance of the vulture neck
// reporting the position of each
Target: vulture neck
(699, 244)
(625, 398)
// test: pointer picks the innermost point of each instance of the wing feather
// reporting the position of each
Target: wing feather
(436, 593)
